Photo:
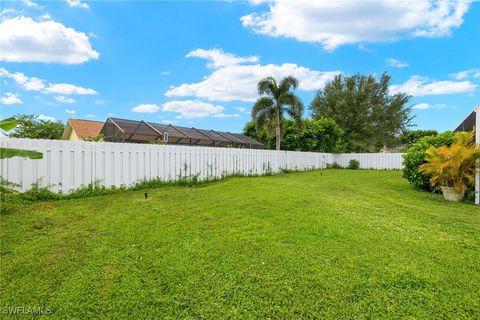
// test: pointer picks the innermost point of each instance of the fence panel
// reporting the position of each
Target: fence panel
(378, 161)
(68, 165)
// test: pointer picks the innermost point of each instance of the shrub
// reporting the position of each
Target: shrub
(454, 165)
(415, 156)
(335, 166)
(354, 164)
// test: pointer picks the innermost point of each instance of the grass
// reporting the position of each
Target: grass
(345, 244)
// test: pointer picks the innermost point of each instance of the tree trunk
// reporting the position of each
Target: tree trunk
(278, 134)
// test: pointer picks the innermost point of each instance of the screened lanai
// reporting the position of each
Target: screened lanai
(123, 130)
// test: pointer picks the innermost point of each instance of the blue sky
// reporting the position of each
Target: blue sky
(197, 63)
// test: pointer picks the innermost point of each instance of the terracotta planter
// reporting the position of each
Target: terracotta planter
(450, 194)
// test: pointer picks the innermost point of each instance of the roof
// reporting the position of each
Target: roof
(86, 128)
(468, 124)
(124, 130)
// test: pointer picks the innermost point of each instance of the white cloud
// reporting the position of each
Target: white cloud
(25, 40)
(466, 74)
(77, 4)
(66, 89)
(7, 11)
(335, 23)
(70, 111)
(37, 84)
(219, 58)
(146, 108)
(45, 17)
(438, 106)
(223, 115)
(91, 115)
(421, 106)
(31, 4)
(189, 109)
(241, 109)
(27, 83)
(46, 118)
(169, 121)
(396, 63)
(10, 98)
(233, 82)
(423, 86)
(63, 99)
(100, 101)
(165, 73)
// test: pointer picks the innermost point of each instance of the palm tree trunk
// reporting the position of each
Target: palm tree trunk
(278, 134)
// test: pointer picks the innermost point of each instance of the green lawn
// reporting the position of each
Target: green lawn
(345, 244)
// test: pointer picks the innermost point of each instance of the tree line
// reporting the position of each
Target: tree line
(350, 114)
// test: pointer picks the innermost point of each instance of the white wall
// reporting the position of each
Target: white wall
(68, 165)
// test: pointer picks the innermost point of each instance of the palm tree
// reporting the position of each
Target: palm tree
(268, 111)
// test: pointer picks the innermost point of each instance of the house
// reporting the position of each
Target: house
(77, 129)
(470, 122)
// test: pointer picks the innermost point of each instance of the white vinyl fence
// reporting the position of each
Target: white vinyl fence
(387, 161)
(68, 165)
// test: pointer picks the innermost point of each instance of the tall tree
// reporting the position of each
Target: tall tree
(362, 106)
(29, 126)
(268, 112)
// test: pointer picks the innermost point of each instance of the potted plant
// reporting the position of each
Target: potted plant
(453, 167)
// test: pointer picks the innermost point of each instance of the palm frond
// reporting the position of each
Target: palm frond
(288, 83)
(267, 86)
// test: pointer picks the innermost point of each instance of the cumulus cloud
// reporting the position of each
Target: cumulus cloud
(423, 86)
(70, 111)
(219, 58)
(66, 89)
(30, 4)
(10, 98)
(77, 4)
(45, 118)
(218, 85)
(396, 63)
(37, 84)
(146, 108)
(340, 22)
(63, 99)
(24, 40)
(466, 74)
(438, 106)
(223, 115)
(190, 109)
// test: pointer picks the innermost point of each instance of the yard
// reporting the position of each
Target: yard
(345, 244)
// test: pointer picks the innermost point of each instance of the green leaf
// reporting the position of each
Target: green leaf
(8, 124)
(5, 189)
(6, 153)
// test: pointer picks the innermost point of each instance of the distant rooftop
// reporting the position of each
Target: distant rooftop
(124, 130)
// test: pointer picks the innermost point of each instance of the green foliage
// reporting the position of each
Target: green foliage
(268, 112)
(454, 165)
(415, 156)
(97, 138)
(354, 164)
(335, 165)
(29, 126)
(409, 137)
(8, 124)
(5, 153)
(322, 135)
(362, 106)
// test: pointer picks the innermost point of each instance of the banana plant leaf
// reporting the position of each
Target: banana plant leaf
(8, 124)
(6, 153)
